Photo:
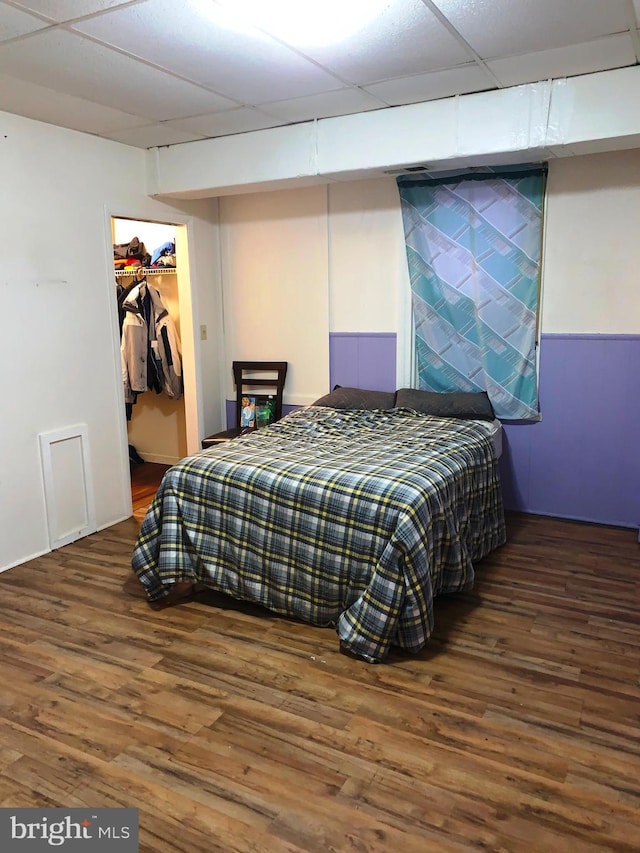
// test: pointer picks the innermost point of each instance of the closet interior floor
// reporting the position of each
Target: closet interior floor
(145, 479)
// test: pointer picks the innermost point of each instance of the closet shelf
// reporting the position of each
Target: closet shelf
(146, 271)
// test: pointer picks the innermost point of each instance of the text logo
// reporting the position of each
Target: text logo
(73, 830)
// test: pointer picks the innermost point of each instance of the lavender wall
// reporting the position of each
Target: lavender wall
(581, 461)
(363, 360)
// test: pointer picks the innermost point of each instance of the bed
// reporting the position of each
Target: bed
(354, 516)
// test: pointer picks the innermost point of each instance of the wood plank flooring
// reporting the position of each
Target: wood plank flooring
(230, 729)
(145, 478)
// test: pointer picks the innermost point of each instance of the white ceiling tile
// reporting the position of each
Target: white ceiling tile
(327, 104)
(71, 64)
(430, 87)
(27, 99)
(494, 28)
(404, 38)
(179, 71)
(245, 65)
(65, 10)
(240, 120)
(599, 55)
(152, 135)
(14, 23)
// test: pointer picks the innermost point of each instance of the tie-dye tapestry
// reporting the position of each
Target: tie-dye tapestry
(473, 246)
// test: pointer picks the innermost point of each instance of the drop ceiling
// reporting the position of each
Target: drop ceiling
(162, 72)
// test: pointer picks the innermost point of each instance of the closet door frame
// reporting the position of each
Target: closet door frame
(188, 324)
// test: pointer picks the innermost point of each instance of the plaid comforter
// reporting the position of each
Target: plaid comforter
(356, 519)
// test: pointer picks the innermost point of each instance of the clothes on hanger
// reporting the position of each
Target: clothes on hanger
(150, 347)
(122, 291)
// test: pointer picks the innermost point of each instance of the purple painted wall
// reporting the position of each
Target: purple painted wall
(363, 360)
(582, 460)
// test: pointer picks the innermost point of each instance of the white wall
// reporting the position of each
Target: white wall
(591, 270)
(367, 258)
(274, 273)
(285, 253)
(59, 342)
(298, 264)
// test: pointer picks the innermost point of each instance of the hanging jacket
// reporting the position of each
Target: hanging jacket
(150, 347)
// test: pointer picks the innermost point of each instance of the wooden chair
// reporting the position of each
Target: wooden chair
(250, 381)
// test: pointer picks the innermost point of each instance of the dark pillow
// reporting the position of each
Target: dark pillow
(450, 404)
(357, 398)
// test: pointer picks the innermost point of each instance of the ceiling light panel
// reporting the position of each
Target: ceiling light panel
(203, 44)
(307, 24)
(391, 43)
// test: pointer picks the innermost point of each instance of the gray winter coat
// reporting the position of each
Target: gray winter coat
(165, 344)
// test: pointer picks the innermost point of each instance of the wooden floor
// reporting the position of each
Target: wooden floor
(145, 478)
(517, 729)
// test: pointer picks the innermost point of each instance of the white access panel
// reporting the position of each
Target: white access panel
(68, 484)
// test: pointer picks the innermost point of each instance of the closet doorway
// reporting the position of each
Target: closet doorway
(156, 423)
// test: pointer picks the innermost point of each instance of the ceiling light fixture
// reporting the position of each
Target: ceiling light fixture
(306, 24)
